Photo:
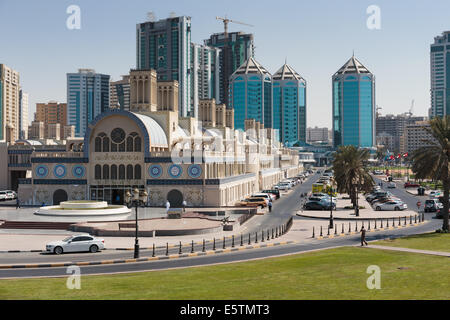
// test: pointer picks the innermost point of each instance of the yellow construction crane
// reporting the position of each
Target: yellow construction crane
(226, 21)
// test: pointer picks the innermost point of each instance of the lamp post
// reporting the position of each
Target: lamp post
(137, 198)
(331, 225)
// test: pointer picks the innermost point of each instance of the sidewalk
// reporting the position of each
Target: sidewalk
(435, 253)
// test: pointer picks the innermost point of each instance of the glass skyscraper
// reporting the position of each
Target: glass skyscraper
(353, 105)
(87, 97)
(251, 94)
(440, 75)
(165, 46)
(289, 105)
(236, 48)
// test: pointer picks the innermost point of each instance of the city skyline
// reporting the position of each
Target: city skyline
(112, 47)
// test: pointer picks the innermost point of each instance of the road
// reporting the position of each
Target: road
(282, 210)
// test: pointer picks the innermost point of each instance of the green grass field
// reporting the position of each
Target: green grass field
(429, 241)
(330, 274)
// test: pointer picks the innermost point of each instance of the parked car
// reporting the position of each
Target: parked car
(275, 192)
(435, 194)
(409, 184)
(78, 243)
(3, 196)
(377, 194)
(391, 205)
(383, 200)
(267, 196)
(254, 202)
(283, 186)
(433, 205)
(11, 195)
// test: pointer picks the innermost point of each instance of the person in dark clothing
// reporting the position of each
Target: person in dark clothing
(270, 205)
(363, 237)
(17, 204)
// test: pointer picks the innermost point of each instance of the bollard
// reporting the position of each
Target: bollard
(153, 254)
(375, 224)
(349, 228)
(242, 241)
(335, 229)
(192, 246)
(214, 244)
(320, 231)
(313, 233)
(268, 235)
(342, 228)
(276, 232)
(223, 246)
(423, 217)
(369, 225)
(262, 235)
(410, 219)
(381, 223)
(328, 230)
(399, 221)
(393, 224)
(415, 218)
(203, 249)
(256, 237)
(272, 233)
(356, 226)
(167, 248)
(249, 238)
(180, 251)
(405, 221)
(232, 241)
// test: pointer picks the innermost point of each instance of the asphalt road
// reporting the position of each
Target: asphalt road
(282, 210)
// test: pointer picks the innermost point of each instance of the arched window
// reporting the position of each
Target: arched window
(130, 144)
(122, 147)
(122, 172)
(137, 144)
(105, 144)
(137, 171)
(98, 172)
(98, 144)
(113, 172)
(129, 172)
(113, 147)
(105, 172)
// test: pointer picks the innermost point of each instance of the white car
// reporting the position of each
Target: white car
(283, 186)
(10, 195)
(435, 194)
(391, 205)
(3, 195)
(267, 196)
(77, 243)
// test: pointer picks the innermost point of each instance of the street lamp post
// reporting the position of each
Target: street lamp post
(137, 198)
(331, 225)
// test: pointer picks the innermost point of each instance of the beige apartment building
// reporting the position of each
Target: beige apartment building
(9, 104)
(51, 113)
(416, 136)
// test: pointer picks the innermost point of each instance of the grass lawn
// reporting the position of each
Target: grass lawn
(429, 241)
(330, 274)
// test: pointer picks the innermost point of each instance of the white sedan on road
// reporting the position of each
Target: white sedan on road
(76, 243)
(391, 205)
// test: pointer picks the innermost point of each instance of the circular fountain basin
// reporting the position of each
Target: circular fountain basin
(83, 208)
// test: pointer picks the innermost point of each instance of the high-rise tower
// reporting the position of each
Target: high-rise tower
(440, 75)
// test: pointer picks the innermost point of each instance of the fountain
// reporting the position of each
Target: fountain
(83, 208)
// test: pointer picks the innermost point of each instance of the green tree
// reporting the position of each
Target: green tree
(432, 161)
(350, 171)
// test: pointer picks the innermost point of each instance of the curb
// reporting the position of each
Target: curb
(172, 256)
(371, 230)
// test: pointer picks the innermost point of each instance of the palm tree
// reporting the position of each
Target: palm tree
(432, 161)
(351, 172)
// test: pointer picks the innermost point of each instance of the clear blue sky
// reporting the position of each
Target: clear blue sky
(317, 37)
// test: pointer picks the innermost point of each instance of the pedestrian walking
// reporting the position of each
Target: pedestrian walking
(270, 205)
(363, 237)
(167, 206)
(17, 204)
(184, 205)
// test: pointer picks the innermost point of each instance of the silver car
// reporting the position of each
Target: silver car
(78, 243)
(391, 205)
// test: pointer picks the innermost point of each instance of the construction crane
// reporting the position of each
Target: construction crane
(411, 110)
(226, 21)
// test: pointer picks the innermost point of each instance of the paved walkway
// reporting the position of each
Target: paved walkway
(435, 253)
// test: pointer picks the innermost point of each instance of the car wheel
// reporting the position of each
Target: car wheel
(396, 209)
(93, 249)
(58, 250)
(378, 209)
